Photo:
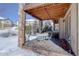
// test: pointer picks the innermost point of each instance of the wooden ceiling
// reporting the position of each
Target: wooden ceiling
(47, 11)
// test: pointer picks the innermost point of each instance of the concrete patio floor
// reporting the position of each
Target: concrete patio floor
(46, 47)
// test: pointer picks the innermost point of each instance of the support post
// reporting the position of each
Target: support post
(53, 25)
(40, 23)
(21, 26)
(61, 28)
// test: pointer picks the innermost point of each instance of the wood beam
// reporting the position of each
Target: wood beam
(21, 26)
(33, 15)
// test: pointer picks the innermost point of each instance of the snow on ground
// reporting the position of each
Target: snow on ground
(9, 45)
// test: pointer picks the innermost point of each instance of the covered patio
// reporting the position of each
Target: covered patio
(44, 11)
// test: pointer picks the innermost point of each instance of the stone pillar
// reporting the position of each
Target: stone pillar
(21, 26)
(74, 26)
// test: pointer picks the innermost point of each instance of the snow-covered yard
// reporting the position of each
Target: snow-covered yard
(9, 45)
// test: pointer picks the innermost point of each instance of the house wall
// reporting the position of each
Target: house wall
(78, 28)
(74, 28)
(68, 27)
(5, 24)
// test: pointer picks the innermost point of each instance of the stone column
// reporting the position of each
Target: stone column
(21, 26)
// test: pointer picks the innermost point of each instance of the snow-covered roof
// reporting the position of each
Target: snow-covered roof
(5, 19)
(2, 17)
(30, 19)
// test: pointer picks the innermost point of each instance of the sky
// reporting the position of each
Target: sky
(29, 16)
(10, 10)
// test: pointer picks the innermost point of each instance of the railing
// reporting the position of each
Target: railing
(43, 36)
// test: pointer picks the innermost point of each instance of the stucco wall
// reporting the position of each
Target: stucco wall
(74, 27)
(78, 28)
(64, 27)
